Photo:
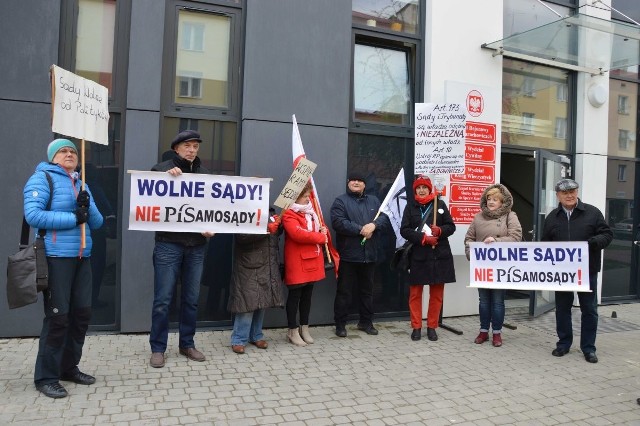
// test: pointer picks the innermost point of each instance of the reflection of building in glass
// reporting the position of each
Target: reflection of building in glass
(202, 59)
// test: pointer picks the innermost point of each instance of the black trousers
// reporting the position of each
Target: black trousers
(299, 298)
(359, 276)
(67, 310)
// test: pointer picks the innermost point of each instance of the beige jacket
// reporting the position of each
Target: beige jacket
(502, 224)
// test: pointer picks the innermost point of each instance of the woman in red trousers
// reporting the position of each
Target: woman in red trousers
(304, 236)
(431, 261)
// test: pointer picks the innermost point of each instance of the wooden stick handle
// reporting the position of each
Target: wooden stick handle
(83, 231)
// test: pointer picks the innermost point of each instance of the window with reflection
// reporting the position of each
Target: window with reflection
(532, 114)
(95, 40)
(621, 212)
(392, 15)
(381, 84)
(202, 59)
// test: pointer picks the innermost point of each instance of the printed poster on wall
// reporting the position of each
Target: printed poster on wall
(439, 139)
(481, 148)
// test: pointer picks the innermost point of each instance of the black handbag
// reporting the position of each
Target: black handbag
(400, 259)
(27, 270)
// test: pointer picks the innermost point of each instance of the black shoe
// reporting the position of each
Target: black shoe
(341, 331)
(591, 357)
(431, 334)
(560, 351)
(79, 377)
(52, 390)
(416, 335)
(369, 329)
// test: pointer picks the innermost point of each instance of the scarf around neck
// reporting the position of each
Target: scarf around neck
(424, 200)
(313, 224)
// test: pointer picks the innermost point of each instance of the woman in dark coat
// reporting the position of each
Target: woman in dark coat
(431, 261)
(255, 284)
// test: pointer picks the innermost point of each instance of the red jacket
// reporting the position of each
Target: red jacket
(303, 258)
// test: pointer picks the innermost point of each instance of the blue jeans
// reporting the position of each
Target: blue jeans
(170, 262)
(491, 309)
(588, 322)
(247, 327)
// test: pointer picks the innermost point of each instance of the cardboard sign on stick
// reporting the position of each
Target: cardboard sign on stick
(295, 183)
(80, 107)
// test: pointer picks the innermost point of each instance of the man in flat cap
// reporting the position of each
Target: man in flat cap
(358, 241)
(574, 220)
(177, 255)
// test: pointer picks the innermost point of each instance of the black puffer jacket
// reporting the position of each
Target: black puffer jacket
(187, 239)
(349, 213)
(586, 224)
(429, 265)
(255, 281)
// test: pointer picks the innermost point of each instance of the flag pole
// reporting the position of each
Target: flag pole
(326, 246)
(83, 231)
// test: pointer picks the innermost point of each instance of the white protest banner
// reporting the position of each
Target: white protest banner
(439, 138)
(295, 183)
(80, 107)
(198, 203)
(555, 266)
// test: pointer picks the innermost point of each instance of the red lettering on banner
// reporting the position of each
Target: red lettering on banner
(148, 213)
(483, 274)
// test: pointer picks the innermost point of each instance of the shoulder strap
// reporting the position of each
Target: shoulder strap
(24, 234)
(425, 217)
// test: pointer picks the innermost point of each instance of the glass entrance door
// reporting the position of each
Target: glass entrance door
(549, 169)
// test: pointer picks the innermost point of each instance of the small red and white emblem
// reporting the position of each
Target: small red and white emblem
(475, 103)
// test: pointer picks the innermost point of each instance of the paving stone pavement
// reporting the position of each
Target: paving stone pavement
(361, 380)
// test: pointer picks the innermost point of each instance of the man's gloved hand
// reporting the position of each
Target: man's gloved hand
(435, 230)
(82, 215)
(274, 224)
(593, 243)
(429, 240)
(83, 199)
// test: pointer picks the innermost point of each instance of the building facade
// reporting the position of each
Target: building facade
(351, 72)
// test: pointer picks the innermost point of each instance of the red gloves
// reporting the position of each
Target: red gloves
(429, 240)
(274, 224)
(435, 230)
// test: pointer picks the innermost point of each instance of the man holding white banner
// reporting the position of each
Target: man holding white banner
(178, 255)
(574, 220)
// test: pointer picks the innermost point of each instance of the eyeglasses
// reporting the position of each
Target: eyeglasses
(66, 151)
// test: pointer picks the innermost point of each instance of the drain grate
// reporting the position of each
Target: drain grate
(547, 323)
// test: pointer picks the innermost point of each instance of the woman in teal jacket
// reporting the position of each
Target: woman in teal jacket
(67, 301)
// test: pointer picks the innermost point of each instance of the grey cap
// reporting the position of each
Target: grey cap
(566, 185)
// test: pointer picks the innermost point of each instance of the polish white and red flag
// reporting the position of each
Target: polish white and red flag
(298, 153)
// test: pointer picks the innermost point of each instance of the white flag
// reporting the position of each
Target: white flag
(393, 205)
